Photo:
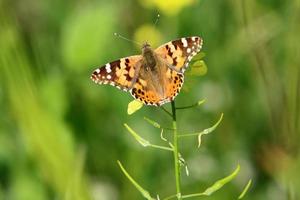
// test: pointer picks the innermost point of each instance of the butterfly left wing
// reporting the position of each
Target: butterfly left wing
(119, 73)
(178, 53)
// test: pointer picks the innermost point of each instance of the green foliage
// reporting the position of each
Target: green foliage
(57, 127)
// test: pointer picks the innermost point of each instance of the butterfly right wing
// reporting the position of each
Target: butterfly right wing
(119, 73)
(178, 53)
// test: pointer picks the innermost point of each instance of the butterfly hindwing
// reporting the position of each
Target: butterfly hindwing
(119, 73)
(143, 92)
(173, 84)
(178, 53)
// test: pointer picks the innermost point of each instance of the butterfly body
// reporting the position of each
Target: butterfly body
(149, 59)
(156, 76)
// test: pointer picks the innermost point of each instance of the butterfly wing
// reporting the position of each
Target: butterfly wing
(178, 53)
(120, 73)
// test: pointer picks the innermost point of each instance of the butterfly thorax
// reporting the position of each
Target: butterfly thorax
(149, 57)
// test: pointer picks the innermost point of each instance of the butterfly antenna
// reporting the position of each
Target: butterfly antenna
(157, 18)
(124, 38)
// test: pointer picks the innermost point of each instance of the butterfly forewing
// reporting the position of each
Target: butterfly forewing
(178, 53)
(119, 73)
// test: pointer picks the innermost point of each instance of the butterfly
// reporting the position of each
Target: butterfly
(156, 76)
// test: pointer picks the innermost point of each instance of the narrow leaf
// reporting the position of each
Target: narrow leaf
(144, 192)
(134, 106)
(153, 123)
(144, 142)
(245, 189)
(208, 130)
(220, 183)
(141, 140)
(201, 102)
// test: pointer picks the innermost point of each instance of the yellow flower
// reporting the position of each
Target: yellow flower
(148, 33)
(168, 7)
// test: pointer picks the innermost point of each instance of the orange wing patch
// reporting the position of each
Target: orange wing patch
(141, 92)
(173, 84)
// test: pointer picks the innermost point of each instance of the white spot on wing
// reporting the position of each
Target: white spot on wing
(107, 67)
(184, 42)
(97, 71)
(108, 77)
(188, 50)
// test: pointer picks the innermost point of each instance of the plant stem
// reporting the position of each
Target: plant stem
(166, 111)
(176, 158)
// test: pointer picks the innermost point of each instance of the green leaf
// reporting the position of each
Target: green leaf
(144, 142)
(200, 102)
(144, 192)
(199, 56)
(245, 189)
(198, 68)
(136, 136)
(215, 187)
(153, 123)
(134, 106)
(220, 183)
(208, 130)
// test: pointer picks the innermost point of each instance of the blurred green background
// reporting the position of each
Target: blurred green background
(61, 134)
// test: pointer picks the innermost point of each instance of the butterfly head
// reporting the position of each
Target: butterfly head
(146, 46)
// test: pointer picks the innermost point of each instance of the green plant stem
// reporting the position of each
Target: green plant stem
(175, 152)
(186, 107)
(166, 111)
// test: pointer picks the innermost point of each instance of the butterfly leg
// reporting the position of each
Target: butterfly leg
(172, 67)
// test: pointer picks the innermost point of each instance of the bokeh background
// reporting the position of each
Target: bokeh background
(61, 134)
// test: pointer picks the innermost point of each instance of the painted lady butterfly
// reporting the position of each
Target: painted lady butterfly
(156, 76)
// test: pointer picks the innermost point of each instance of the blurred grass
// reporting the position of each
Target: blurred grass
(46, 139)
(60, 134)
